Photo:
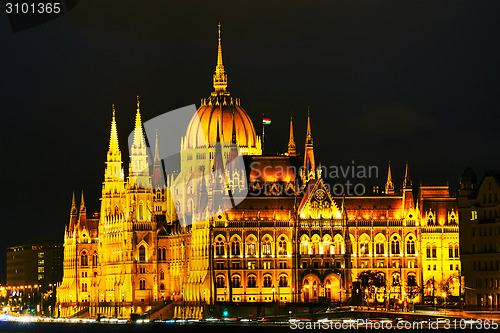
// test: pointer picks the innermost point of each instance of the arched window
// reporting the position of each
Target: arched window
(84, 259)
(84, 287)
(434, 251)
(283, 281)
(327, 245)
(219, 246)
(220, 281)
(282, 246)
(457, 252)
(304, 245)
(236, 281)
(338, 244)
(251, 249)
(410, 245)
(162, 287)
(266, 246)
(428, 251)
(252, 281)
(142, 253)
(160, 258)
(162, 275)
(94, 260)
(395, 246)
(164, 254)
(364, 248)
(140, 211)
(395, 280)
(142, 284)
(450, 251)
(235, 247)
(315, 240)
(267, 281)
(412, 281)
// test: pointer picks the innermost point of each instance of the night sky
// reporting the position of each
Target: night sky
(385, 81)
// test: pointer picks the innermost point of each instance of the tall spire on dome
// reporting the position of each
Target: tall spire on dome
(220, 77)
(291, 142)
(389, 185)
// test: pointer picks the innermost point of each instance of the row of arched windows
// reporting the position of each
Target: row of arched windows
(453, 251)
(267, 281)
(251, 246)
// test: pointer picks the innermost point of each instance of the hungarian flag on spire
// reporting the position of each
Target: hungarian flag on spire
(266, 121)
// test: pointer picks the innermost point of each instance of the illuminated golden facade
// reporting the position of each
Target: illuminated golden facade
(288, 240)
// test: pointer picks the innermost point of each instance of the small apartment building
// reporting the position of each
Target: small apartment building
(479, 208)
(38, 263)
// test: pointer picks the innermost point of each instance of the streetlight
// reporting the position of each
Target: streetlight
(444, 298)
(340, 288)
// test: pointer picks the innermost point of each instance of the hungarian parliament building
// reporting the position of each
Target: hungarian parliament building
(267, 230)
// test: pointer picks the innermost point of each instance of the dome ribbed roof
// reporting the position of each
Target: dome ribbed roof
(220, 108)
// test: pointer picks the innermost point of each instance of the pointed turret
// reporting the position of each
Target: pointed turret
(73, 217)
(82, 205)
(218, 162)
(220, 77)
(157, 152)
(233, 150)
(291, 142)
(82, 222)
(407, 190)
(158, 174)
(73, 205)
(309, 171)
(139, 166)
(407, 181)
(114, 154)
(347, 269)
(389, 185)
(114, 159)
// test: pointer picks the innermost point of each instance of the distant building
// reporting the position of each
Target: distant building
(37, 263)
(479, 209)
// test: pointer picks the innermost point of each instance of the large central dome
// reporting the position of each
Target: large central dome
(222, 109)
